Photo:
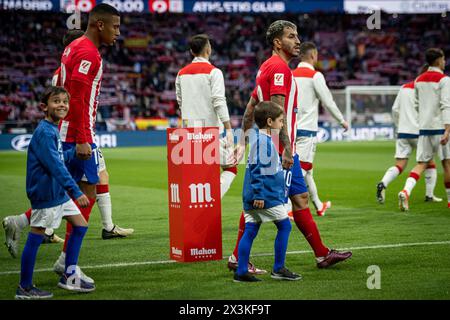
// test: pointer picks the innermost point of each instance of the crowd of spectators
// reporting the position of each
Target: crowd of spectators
(140, 70)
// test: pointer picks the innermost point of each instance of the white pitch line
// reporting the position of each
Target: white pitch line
(143, 263)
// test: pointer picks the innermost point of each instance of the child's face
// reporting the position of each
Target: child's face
(57, 107)
(277, 123)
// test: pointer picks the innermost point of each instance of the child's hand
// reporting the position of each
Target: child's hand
(259, 204)
(83, 201)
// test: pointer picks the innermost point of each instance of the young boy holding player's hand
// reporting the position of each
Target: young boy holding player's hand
(264, 194)
(49, 185)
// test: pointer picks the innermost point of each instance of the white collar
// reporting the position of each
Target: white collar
(435, 69)
(305, 65)
(200, 59)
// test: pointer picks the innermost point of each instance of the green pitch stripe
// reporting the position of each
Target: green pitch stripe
(130, 264)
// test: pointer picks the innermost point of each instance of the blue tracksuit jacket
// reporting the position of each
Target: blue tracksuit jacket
(47, 176)
(264, 176)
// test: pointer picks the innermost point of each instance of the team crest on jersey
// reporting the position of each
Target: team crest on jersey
(278, 79)
(84, 66)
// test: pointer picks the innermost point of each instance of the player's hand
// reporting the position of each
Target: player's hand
(229, 138)
(231, 160)
(83, 201)
(83, 151)
(444, 138)
(239, 152)
(286, 160)
(344, 125)
(259, 204)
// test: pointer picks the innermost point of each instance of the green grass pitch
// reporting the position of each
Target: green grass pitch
(411, 249)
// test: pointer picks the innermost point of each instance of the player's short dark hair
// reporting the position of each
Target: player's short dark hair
(71, 35)
(266, 110)
(51, 91)
(103, 10)
(432, 54)
(276, 30)
(305, 48)
(198, 42)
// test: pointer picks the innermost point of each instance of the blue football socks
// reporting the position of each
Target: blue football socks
(73, 248)
(245, 245)
(29, 259)
(281, 243)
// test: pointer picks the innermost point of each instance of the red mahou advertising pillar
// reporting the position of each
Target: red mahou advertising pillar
(194, 194)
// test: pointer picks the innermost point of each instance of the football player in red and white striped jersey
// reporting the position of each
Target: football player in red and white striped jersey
(110, 230)
(81, 75)
(275, 82)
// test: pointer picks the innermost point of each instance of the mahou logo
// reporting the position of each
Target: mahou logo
(200, 192)
(200, 136)
(174, 137)
(202, 252)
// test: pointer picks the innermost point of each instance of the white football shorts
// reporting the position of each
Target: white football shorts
(429, 146)
(276, 213)
(101, 161)
(306, 148)
(404, 148)
(51, 217)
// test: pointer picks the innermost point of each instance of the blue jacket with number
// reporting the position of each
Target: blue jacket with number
(47, 176)
(264, 176)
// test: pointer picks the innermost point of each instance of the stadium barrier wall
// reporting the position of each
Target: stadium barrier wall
(20, 142)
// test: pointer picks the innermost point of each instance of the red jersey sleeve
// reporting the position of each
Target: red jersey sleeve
(56, 79)
(255, 94)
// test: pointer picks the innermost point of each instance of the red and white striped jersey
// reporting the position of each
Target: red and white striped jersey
(313, 89)
(275, 78)
(432, 99)
(81, 75)
(403, 112)
(200, 91)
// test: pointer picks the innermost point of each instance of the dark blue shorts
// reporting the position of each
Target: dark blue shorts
(293, 179)
(83, 170)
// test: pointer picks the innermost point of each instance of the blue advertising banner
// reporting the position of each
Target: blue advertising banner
(20, 142)
(298, 6)
(356, 133)
(178, 6)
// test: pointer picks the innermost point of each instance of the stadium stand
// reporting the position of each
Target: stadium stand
(140, 70)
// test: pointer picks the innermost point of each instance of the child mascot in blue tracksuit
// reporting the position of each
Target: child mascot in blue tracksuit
(49, 185)
(264, 193)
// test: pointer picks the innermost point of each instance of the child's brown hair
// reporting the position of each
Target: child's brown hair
(266, 110)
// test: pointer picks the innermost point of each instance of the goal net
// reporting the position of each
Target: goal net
(367, 110)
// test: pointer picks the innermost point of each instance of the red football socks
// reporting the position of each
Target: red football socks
(28, 214)
(85, 212)
(306, 224)
(240, 234)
